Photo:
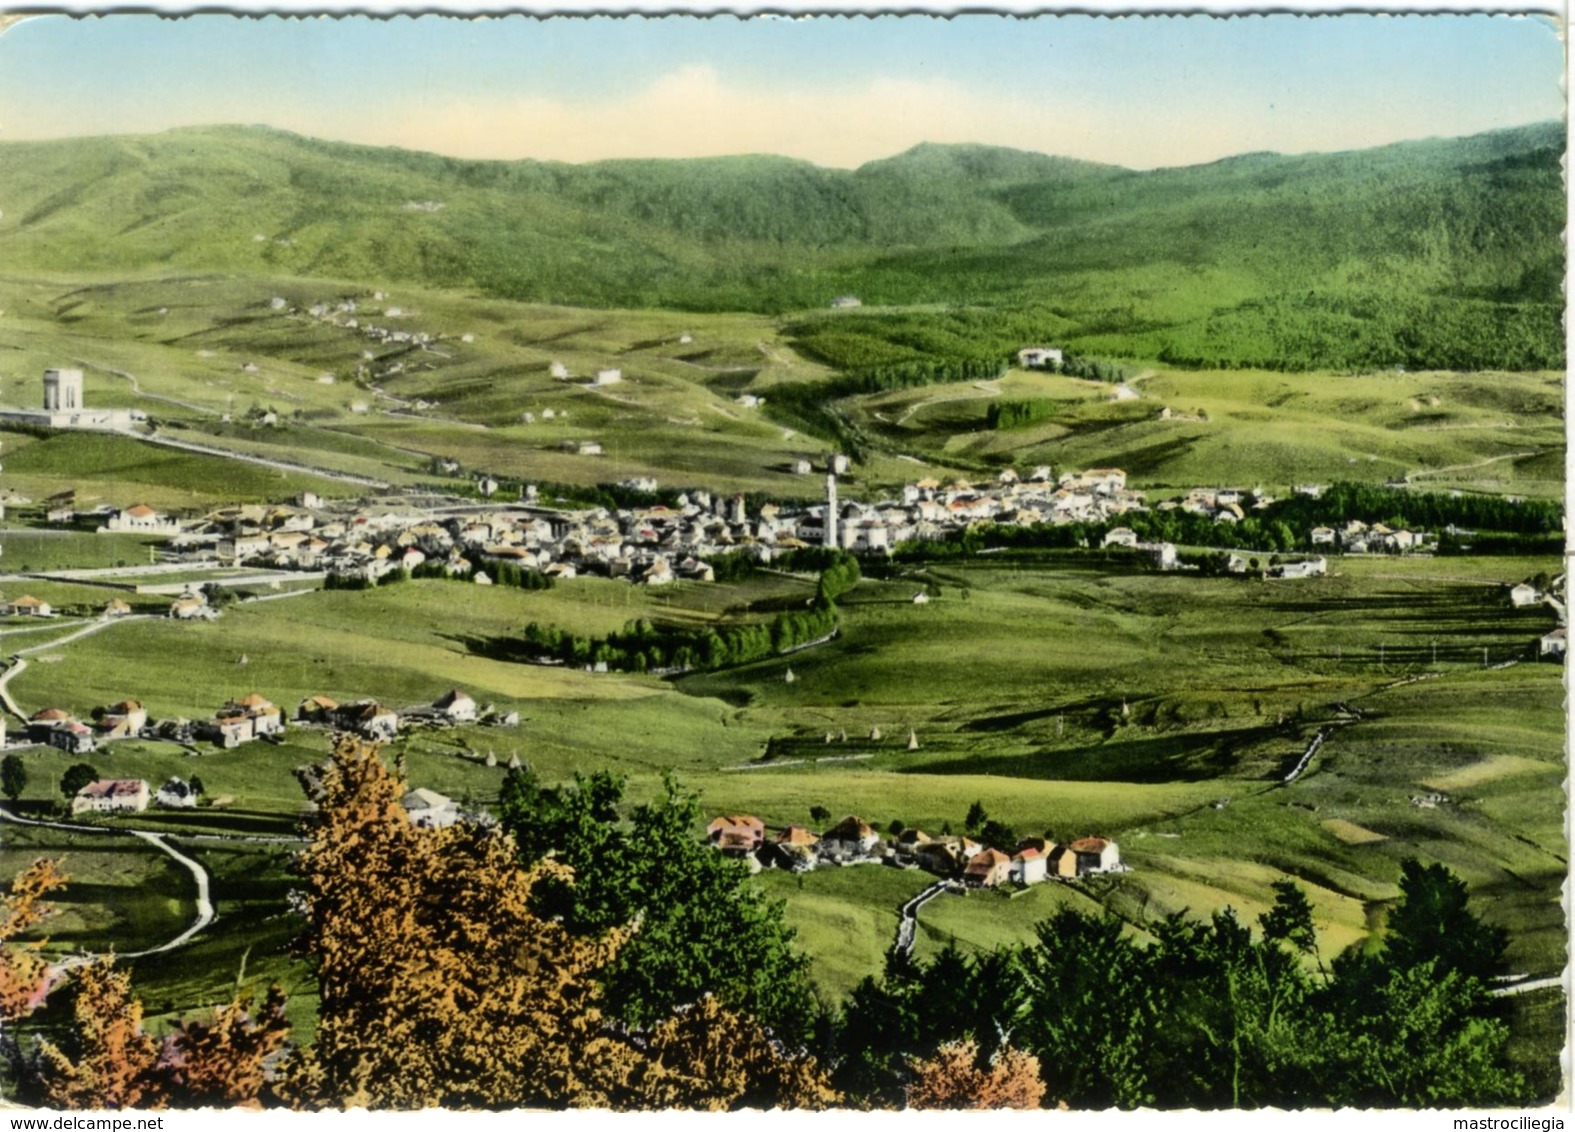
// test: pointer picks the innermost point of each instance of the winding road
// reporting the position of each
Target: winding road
(199, 874)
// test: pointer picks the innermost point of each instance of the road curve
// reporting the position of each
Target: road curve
(204, 900)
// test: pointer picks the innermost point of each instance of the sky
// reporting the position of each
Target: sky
(839, 91)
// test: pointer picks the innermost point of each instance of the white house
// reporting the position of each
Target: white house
(1555, 643)
(1040, 357)
(1096, 855)
(142, 519)
(1120, 536)
(607, 377)
(457, 706)
(429, 808)
(176, 794)
(1029, 866)
(1523, 595)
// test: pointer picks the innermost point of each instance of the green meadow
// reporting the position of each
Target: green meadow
(1066, 697)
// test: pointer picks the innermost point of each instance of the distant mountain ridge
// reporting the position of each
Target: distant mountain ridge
(1475, 218)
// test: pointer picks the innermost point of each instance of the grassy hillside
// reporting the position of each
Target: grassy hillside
(1443, 254)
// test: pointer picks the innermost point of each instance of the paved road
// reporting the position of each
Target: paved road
(204, 902)
(908, 925)
(21, 663)
(261, 461)
(1531, 985)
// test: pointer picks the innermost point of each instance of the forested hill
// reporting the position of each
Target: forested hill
(1434, 252)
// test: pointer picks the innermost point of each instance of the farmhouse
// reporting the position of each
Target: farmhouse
(1029, 865)
(192, 607)
(851, 837)
(110, 794)
(369, 719)
(796, 849)
(456, 705)
(316, 709)
(120, 721)
(266, 718)
(1307, 568)
(989, 868)
(142, 519)
(1040, 357)
(1554, 643)
(1062, 862)
(1523, 595)
(430, 809)
(1096, 855)
(29, 606)
(736, 834)
(72, 737)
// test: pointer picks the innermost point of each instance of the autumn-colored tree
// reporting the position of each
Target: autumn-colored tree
(954, 1078)
(439, 984)
(114, 1063)
(115, 1058)
(708, 1057)
(24, 974)
(222, 1063)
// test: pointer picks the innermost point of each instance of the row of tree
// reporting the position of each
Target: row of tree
(643, 646)
(501, 573)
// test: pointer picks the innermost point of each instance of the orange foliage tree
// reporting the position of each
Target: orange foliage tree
(711, 1058)
(117, 1064)
(953, 1078)
(439, 985)
(24, 974)
(115, 1058)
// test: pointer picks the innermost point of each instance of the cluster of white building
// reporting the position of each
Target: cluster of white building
(1357, 537)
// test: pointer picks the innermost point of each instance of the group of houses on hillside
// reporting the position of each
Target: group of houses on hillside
(854, 841)
(253, 717)
(1357, 537)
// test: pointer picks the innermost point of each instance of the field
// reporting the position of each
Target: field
(393, 407)
(1161, 710)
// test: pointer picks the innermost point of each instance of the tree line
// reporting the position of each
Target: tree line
(1211, 1014)
(644, 646)
(501, 573)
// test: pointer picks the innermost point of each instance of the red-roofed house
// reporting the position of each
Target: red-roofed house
(988, 868)
(737, 833)
(110, 794)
